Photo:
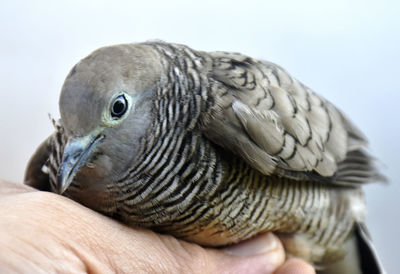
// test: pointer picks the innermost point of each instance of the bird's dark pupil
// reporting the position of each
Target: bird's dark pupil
(119, 107)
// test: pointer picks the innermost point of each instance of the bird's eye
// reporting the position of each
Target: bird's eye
(119, 107)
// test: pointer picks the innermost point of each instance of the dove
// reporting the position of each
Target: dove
(212, 148)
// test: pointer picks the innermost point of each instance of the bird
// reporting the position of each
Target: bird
(212, 148)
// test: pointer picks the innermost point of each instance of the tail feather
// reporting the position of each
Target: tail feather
(358, 168)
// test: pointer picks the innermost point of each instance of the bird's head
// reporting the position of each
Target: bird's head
(106, 107)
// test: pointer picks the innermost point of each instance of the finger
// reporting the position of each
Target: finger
(261, 254)
(295, 266)
(13, 188)
(143, 250)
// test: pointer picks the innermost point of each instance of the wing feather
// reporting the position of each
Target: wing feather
(279, 126)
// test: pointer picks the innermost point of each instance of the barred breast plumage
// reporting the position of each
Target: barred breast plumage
(213, 148)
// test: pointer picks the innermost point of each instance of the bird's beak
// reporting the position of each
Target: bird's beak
(77, 152)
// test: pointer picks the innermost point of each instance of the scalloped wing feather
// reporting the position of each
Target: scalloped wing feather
(279, 126)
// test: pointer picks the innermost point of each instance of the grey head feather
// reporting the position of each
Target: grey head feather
(95, 79)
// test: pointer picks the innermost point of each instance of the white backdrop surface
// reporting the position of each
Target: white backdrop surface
(348, 51)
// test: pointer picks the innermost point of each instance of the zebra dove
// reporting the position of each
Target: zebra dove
(211, 147)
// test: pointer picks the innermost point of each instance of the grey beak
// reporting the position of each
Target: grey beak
(77, 152)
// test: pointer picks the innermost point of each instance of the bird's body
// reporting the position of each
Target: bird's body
(212, 148)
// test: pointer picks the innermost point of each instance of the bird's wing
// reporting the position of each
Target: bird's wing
(35, 175)
(279, 126)
(42, 168)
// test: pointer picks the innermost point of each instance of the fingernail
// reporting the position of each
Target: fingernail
(260, 244)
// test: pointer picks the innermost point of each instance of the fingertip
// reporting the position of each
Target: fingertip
(261, 254)
(261, 244)
(295, 266)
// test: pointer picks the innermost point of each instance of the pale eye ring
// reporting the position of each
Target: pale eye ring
(119, 107)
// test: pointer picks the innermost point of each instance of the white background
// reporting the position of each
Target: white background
(348, 51)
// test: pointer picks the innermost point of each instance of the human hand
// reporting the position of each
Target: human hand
(42, 232)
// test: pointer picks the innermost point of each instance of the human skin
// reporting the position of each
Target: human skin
(41, 232)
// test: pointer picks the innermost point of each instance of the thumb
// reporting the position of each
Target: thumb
(156, 253)
(165, 254)
(261, 254)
